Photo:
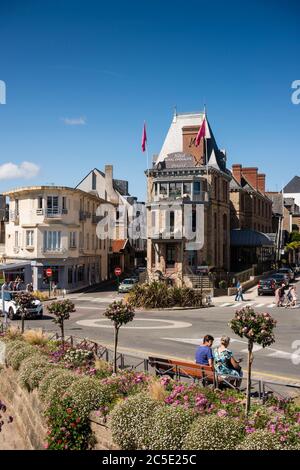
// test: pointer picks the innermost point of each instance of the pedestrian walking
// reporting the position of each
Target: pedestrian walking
(239, 294)
(279, 296)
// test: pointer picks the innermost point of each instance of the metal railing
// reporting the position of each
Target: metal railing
(260, 388)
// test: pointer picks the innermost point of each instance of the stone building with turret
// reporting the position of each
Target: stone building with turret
(188, 207)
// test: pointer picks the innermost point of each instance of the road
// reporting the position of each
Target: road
(176, 333)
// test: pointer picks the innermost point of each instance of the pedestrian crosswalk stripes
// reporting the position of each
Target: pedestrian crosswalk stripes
(248, 304)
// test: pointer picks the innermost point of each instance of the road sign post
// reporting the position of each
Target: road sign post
(49, 276)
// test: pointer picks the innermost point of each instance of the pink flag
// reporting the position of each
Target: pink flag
(201, 133)
(144, 138)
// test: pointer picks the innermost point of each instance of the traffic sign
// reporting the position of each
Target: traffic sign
(49, 272)
(118, 271)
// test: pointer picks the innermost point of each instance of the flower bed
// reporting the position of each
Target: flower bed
(144, 412)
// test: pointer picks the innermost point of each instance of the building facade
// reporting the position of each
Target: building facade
(250, 206)
(124, 251)
(188, 211)
(54, 227)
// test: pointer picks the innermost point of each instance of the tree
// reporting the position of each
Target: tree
(24, 301)
(61, 310)
(257, 328)
(120, 314)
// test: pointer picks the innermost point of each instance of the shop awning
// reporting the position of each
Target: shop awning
(240, 237)
(119, 245)
(14, 266)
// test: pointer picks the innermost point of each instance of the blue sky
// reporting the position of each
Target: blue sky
(83, 75)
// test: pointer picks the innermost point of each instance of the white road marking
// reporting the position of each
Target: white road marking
(270, 352)
(89, 308)
(271, 305)
(259, 305)
(226, 305)
(238, 304)
(171, 324)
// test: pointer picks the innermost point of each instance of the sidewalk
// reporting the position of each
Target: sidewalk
(249, 296)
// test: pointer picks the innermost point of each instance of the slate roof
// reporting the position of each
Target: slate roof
(293, 186)
(276, 198)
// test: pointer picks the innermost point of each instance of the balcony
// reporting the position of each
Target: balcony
(202, 197)
(53, 213)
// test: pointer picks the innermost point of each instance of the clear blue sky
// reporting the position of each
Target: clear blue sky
(112, 65)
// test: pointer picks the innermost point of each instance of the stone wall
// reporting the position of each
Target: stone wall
(26, 410)
(28, 430)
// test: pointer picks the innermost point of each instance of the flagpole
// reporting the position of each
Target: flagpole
(206, 155)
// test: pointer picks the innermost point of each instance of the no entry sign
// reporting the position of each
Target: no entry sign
(49, 272)
(118, 271)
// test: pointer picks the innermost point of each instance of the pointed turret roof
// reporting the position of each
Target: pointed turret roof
(293, 186)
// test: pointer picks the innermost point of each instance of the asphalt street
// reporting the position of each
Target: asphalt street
(176, 333)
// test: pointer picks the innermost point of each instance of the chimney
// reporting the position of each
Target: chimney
(237, 172)
(261, 182)
(250, 175)
(111, 195)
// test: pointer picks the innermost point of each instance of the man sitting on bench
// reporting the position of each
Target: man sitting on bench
(204, 354)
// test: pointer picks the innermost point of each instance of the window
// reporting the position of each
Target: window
(80, 273)
(52, 241)
(197, 188)
(170, 256)
(64, 202)
(94, 180)
(175, 190)
(52, 205)
(17, 206)
(194, 220)
(40, 202)
(72, 240)
(187, 188)
(29, 237)
(163, 190)
(16, 239)
(155, 189)
(172, 221)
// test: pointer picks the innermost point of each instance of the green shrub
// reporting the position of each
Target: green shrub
(222, 285)
(29, 366)
(47, 380)
(67, 430)
(130, 421)
(88, 394)
(37, 375)
(60, 384)
(169, 426)
(17, 355)
(214, 433)
(159, 295)
(260, 440)
(11, 347)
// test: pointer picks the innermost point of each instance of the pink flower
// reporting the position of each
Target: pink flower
(222, 413)
(46, 445)
(249, 429)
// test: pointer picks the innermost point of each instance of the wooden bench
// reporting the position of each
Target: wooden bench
(177, 369)
(204, 374)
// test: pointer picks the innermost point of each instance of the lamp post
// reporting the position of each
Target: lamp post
(3, 306)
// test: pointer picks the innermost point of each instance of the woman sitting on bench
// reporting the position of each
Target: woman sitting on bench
(226, 364)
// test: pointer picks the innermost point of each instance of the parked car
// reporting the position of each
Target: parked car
(295, 267)
(267, 286)
(281, 278)
(13, 310)
(127, 284)
(287, 271)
